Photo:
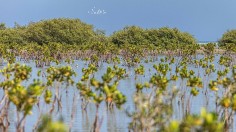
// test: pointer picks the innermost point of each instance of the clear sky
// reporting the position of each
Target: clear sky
(207, 20)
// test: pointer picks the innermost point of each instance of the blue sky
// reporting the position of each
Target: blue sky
(207, 20)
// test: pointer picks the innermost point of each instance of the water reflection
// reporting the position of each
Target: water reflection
(111, 120)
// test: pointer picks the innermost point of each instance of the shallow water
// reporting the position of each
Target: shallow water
(115, 120)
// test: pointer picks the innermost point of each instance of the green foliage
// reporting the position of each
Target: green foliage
(2, 26)
(48, 125)
(209, 48)
(48, 96)
(20, 72)
(203, 122)
(64, 40)
(60, 74)
(105, 90)
(108, 88)
(166, 38)
(23, 98)
(61, 30)
(11, 36)
(65, 31)
(129, 35)
(139, 70)
(228, 37)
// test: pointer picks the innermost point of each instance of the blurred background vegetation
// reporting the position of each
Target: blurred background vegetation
(73, 31)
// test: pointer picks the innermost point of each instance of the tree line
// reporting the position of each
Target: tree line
(74, 31)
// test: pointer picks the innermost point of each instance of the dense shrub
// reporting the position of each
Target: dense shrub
(73, 31)
(163, 37)
(10, 35)
(129, 35)
(228, 38)
(68, 31)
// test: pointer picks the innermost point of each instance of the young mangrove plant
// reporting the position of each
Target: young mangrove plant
(56, 76)
(105, 90)
(84, 85)
(24, 98)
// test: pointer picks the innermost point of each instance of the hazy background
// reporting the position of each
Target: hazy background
(207, 20)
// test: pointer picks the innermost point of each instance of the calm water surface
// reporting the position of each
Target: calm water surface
(115, 120)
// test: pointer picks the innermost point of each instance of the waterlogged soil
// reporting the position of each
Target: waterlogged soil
(115, 120)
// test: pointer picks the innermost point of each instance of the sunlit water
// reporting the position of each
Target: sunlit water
(111, 120)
